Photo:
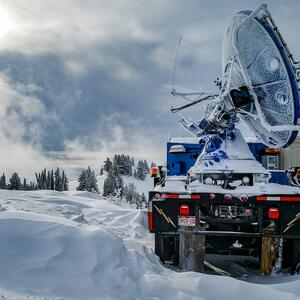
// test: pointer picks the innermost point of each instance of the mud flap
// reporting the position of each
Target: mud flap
(191, 252)
(269, 253)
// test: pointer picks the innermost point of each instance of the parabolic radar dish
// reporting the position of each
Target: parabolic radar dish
(256, 56)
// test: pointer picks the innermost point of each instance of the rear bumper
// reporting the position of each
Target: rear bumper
(233, 234)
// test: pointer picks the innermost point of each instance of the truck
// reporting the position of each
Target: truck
(218, 194)
(226, 224)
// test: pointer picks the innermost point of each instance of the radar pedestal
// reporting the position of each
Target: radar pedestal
(226, 161)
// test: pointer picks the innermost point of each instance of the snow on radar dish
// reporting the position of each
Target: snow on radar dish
(254, 50)
(259, 83)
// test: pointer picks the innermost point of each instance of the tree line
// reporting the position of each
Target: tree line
(45, 180)
(116, 167)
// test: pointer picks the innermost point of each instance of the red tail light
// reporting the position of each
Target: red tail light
(212, 196)
(243, 197)
(157, 196)
(184, 210)
(227, 197)
(150, 221)
(273, 213)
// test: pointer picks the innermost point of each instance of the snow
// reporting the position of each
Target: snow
(77, 245)
(185, 140)
(239, 158)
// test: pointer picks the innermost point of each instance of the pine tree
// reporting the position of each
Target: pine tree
(58, 184)
(132, 196)
(48, 181)
(92, 181)
(109, 186)
(65, 182)
(82, 181)
(140, 170)
(3, 184)
(88, 181)
(25, 186)
(128, 165)
(146, 167)
(15, 182)
(144, 202)
(52, 182)
(101, 171)
(107, 165)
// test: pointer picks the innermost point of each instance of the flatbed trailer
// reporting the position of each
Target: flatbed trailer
(264, 226)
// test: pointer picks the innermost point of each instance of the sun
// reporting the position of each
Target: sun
(7, 24)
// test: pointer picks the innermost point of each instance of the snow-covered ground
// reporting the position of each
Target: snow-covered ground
(77, 245)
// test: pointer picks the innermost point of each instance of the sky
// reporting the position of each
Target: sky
(82, 80)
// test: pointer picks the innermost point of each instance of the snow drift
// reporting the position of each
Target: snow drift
(76, 245)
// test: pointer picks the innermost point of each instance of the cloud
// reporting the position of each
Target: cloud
(20, 114)
(93, 77)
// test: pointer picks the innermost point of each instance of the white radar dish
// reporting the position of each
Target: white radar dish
(260, 75)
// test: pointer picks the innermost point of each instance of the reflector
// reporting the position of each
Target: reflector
(184, 210)
(273, 213)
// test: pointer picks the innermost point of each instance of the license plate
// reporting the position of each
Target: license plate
(186, 221)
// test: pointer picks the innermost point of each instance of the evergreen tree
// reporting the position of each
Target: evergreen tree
(15, 182)
(41, 179)
(58, 184)
(128, 165)
(3, 184)
(144, 202)
(107, 165)
(140, 170)
(32, 186)
(65, 182)
(82, 181)
(52, 184)
(25, 186)
(88, 181)
(101, 171)
(132, 196)
(48, 182)
(110, 184)
(146, 167)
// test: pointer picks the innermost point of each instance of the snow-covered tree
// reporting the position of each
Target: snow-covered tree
(3, 184)
(142, 170)
(144, 202)
(88, 181)
(110, 184)
(15, 182)
(52, 183)
(130, 193)
(58, 182)
(113, 184)
(133, 197)
(65, 182)
(146, 167)
(107, 165)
